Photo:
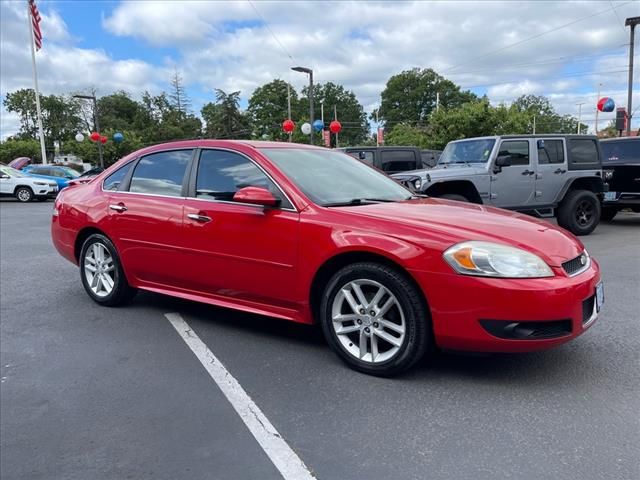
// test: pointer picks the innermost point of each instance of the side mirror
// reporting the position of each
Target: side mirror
(4, 176)
(256, 196)
(503, 161)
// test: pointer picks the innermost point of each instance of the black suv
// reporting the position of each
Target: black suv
(389, 159)
(621, 165)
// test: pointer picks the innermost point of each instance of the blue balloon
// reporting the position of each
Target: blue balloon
(318, 125)
(118, 137)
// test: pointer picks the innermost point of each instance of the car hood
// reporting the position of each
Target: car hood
(436, 220)
(440, 173)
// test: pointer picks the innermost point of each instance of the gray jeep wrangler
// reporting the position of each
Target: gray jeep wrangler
(545, 175)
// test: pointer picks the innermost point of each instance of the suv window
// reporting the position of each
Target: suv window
(161, 173)
(365, 156)
(583, 151)
(56, 172)
(398, 160)
(552, 152)
(41, 171)
(627, 150)
(222, 173)
(518, 150)
(113, 181)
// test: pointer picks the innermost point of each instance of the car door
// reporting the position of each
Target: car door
(551, 169)
(145, 216)
(513, 186)
(248, 252)
(7, 182)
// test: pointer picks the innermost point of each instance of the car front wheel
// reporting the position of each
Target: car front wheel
(375, 319)
(102, 274)
(24, 194)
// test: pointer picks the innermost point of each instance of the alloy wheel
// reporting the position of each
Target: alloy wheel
(368, 321)
(585, 213)
(99, 270)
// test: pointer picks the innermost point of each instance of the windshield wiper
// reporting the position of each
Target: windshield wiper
(358, 201)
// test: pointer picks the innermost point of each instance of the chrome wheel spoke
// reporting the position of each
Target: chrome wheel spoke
(377, 297)
(362, 300)
(107, 281)
(349, 329)
(350, 300)
(374, 348)
(91, 268)
(392, 326)
(98, 265)
(363, 344)
(391, 301)
(396, 342)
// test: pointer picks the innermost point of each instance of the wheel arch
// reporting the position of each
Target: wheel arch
(22, 186)
(594, 184)
(83, 234)
(342, 259)
(465, 188)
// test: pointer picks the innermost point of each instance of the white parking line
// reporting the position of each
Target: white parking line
(283, 457)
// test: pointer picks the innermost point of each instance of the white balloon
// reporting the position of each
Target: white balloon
(306, 128)
(79, 137)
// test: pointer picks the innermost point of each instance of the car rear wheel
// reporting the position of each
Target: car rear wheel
(24, 194)
(375, 319)
(608, 213)
(455, 196)
(579, 212)
(102, 274)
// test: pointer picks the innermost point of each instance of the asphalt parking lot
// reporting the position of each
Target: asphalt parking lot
(89, 392)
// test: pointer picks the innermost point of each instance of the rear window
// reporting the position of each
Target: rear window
(398, 160)
(161, 173)
(621, 151)
(550, 151)
(583, 151)
(113, 181)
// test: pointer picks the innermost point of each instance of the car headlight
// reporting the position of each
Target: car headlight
(41, 183)
(417, 184)
(488, 259)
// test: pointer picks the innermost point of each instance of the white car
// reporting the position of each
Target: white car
(14, 183)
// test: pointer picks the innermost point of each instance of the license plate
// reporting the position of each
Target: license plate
(599, 296)
(609, 196)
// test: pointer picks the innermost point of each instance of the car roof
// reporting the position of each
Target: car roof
(621, 139)
(529, 135)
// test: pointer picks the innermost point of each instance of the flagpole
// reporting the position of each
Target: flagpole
(35, 83)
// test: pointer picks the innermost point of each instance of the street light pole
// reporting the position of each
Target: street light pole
(630, 22)
(310, 73)
(579, 115)
(95, 122)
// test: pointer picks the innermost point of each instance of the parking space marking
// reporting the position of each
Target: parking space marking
(279, 452)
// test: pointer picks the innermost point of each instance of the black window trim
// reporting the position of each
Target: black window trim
(193, 173)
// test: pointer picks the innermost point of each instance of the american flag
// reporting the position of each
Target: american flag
(35, 21)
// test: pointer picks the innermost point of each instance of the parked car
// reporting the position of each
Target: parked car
(14, 183)
(308, 234)
(388, 159)
(19, 163)
(430, 158)
(61, 175)
(91, 172)
(548, 175)
(621, 164)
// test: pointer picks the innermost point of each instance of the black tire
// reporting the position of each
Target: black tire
(608, 213)
(417, 320)
(122, 292)
(455, 196)
(579, 212)
(24, 194)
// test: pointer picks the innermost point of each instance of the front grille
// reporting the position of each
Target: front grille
(577, 265)
(587, 308)
(527, 330)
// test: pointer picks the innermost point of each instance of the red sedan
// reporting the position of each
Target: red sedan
(312, 235)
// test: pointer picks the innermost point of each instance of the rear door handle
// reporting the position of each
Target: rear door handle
(560, 171)
(528, 172)
(118, 208)
(199, 218)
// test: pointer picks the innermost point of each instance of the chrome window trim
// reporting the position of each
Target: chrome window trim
(202, 149)
(105, 178)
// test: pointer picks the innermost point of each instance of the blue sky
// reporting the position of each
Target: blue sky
(562, 49)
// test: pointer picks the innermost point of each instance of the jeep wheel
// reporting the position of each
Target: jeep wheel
(24, 194)
(455, 196)
(608, 213)
(579, 212)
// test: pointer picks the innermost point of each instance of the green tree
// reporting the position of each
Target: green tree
(111, 151)
(547, 120)
(268, 109)
(119, 112)
(224, 119)
(160, 121)
(351, 114)
(178, 96)
(13, 148)
(410, 96)
(407, 135)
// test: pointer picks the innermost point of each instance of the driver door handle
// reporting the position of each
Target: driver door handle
(199, 218)
(560, 171)
(528, 172)
(118, 208)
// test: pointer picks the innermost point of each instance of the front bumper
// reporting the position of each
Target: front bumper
(462, 305)
(621, 199)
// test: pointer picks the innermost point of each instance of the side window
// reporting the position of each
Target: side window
(161, 173)
(56, 172)
(221, 174)
(398, 160)
(551, 152)
(365, 156)
(113, 181)
(41, 171)
(517, 149)
(583, 151)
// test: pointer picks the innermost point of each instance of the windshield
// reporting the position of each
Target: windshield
(70, 172)
(620, 151)
(467, 151)
(12, 172)
(331, 178)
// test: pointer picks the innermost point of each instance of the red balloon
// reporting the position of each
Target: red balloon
(288, 126)
(95, 136)
(103, 140)
(335, 126)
